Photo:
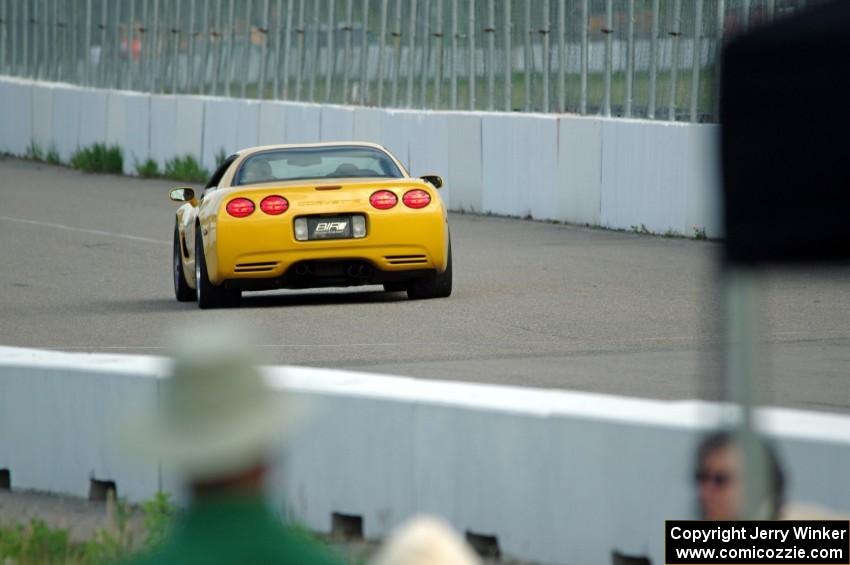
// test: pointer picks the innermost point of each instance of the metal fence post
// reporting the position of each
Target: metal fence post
(630, 59)
(25, 24)
(509, 59)
(653, 61)
(438, 49)
(675, 33)
(34, 33)
(4, 25)
(396, 33)
(528, 61)
(71, 18)
(87, 65)
(153, 68)
(546, 55)
(697, 60)
(196, 78)
(453, 69)
(277, 51)
(207, 36)
(314, 67)
(115, 60)
(426, 50)
(227, 67)
(411, 31)
(175, 66)
(364, 56)
(13, 35)
(34, 22)
(609, 55)
(134, 33)
(346, 54)
(145, 50)
(562, 56)
(329, 45)
(490, 30)
(718, 59)
(585, 54)
(287, 44)
(246, 53)
(39, 38)
(264, 51)
(217, 34)
(382, 43)
(471, 69)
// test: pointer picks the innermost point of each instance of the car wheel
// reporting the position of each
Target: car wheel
(208, 296)
(435, 286)
(182, 291)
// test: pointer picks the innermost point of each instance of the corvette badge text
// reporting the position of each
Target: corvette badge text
(757, 541)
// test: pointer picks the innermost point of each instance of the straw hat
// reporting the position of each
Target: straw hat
(426, 540)
(216, 414)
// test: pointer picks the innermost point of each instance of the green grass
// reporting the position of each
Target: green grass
(37, 154)
(148, 170)
(34, 152)
(158, 515)
(185, 168)
(99, 158)
(52, 156)
(36, 543)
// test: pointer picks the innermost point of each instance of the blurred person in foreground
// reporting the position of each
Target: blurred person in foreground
(720, 480)
(426, 541)
(218, 427)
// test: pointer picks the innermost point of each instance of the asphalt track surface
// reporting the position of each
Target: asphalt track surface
(85, 266)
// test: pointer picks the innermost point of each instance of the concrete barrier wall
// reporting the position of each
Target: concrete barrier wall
(621, 174)
(558, 477)
(16, 125)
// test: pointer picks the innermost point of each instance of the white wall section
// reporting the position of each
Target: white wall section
(615, 173)
(164, 128)
(93, 117)
(557, 476)
(16, 125)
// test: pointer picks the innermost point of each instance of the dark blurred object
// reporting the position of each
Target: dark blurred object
(785, 111)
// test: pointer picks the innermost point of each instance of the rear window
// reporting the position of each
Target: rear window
(316, 163)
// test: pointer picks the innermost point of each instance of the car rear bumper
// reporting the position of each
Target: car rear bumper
(395, 248)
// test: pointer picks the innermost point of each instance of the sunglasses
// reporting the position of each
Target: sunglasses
(718, 480)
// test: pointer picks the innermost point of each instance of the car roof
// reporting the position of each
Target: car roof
(258, 148)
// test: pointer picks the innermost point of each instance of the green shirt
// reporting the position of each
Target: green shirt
(234, 530)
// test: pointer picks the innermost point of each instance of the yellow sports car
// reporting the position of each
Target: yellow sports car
(306, 216)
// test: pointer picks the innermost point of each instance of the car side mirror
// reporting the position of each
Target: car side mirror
(435, 180)
(182, 194)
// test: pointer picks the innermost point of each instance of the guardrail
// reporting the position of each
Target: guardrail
(554, 476)
(621, 174)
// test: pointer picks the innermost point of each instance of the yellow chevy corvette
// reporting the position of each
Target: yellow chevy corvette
(307, 216)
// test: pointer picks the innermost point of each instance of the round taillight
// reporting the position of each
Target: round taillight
(416, 198)
(274, 205)
(240, 207)
(383, 200)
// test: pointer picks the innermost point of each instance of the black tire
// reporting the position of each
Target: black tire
(208, 296)
(395, 286)
(182, 291)
(435, 286)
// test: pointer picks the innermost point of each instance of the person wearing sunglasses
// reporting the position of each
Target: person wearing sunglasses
(719, 478)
